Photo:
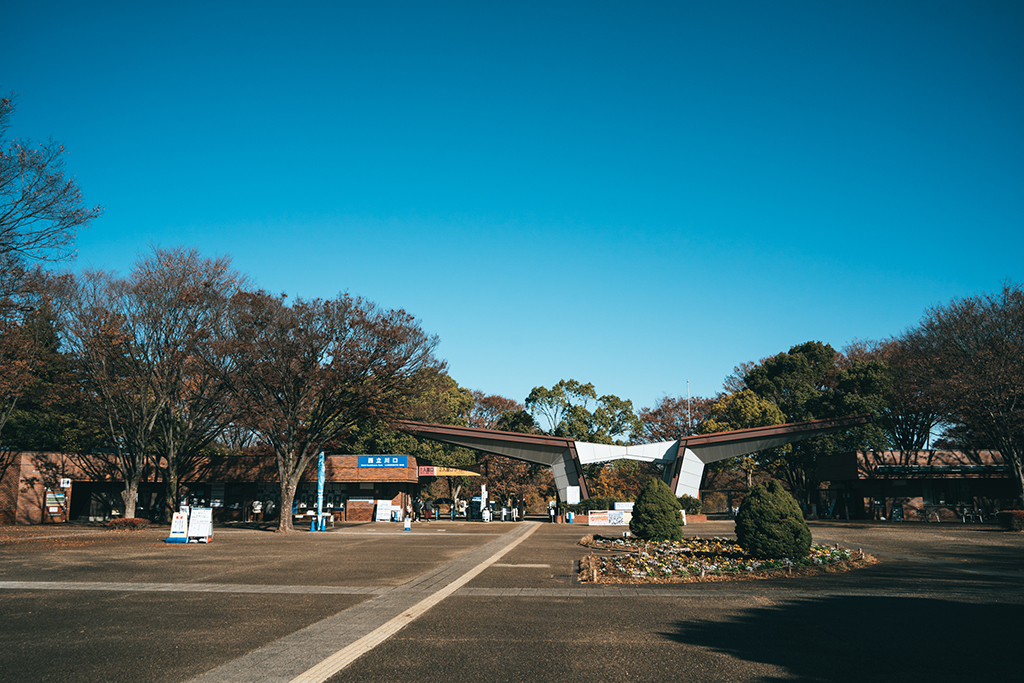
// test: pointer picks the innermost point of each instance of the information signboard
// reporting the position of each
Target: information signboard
(572, 495)
(383, 461)
(200, 525)
(606, 518)
(55, 501)
(383, 511)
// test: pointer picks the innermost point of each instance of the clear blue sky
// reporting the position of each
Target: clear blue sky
(630, 194)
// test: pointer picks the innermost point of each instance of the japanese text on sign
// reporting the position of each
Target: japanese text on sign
(383, 461)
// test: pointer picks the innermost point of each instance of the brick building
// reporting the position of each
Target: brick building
(932, 485)
(53, 487)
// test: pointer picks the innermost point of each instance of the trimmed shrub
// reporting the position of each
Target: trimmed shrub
(770, 525)
(692, 505)
(588, 504)
(656, 513)
(1011, 519)
(128, 524)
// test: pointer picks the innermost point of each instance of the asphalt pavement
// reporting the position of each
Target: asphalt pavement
(495, 602)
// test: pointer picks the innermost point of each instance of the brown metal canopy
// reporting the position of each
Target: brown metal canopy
(684, 459)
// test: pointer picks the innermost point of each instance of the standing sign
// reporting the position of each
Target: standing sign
(179, 528)
(572, 495)
(200, 525)
(383, 511)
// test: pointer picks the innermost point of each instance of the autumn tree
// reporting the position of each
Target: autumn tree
(969, 354)
(440, 400)
(47, 413)
(671, 418)
(146, 349)
(40, 212)
(308, 372)
(188, 297)
(105, 329)
(487, 409)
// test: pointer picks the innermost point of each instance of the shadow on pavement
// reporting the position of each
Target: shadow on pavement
(869, 638)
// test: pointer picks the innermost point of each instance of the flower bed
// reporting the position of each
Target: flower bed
(701, 559)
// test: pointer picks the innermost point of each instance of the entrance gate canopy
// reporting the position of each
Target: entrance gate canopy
(684, 459)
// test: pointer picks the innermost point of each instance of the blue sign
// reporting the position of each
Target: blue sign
(383, 461)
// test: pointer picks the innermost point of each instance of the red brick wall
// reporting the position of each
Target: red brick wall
(22, 493)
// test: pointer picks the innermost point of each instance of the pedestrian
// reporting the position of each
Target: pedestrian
(417, 508)
(428, 509)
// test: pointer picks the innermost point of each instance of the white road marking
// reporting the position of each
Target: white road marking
(342, 658)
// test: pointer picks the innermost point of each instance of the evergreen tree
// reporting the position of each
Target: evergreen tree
(656, 514)
(770, 525)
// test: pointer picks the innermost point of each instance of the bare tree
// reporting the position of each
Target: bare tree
(146, 345)
(40, 209)
(970, 355)
(104, 329)
(309, 371)
(40, 212)
(911, 408)
(187, 297)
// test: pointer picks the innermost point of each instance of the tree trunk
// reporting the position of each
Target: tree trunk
(1012, 457)
(130, 495)
(171, 490)
(284, 523)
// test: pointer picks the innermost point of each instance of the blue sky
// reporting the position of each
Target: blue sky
(629, 194)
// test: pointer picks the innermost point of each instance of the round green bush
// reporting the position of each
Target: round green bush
(770, 525)
(656, 513)
(693, 506)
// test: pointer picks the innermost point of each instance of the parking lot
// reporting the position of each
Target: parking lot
(495, 602)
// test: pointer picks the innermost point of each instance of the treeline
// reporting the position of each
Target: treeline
(182, 356)
(185, 356)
